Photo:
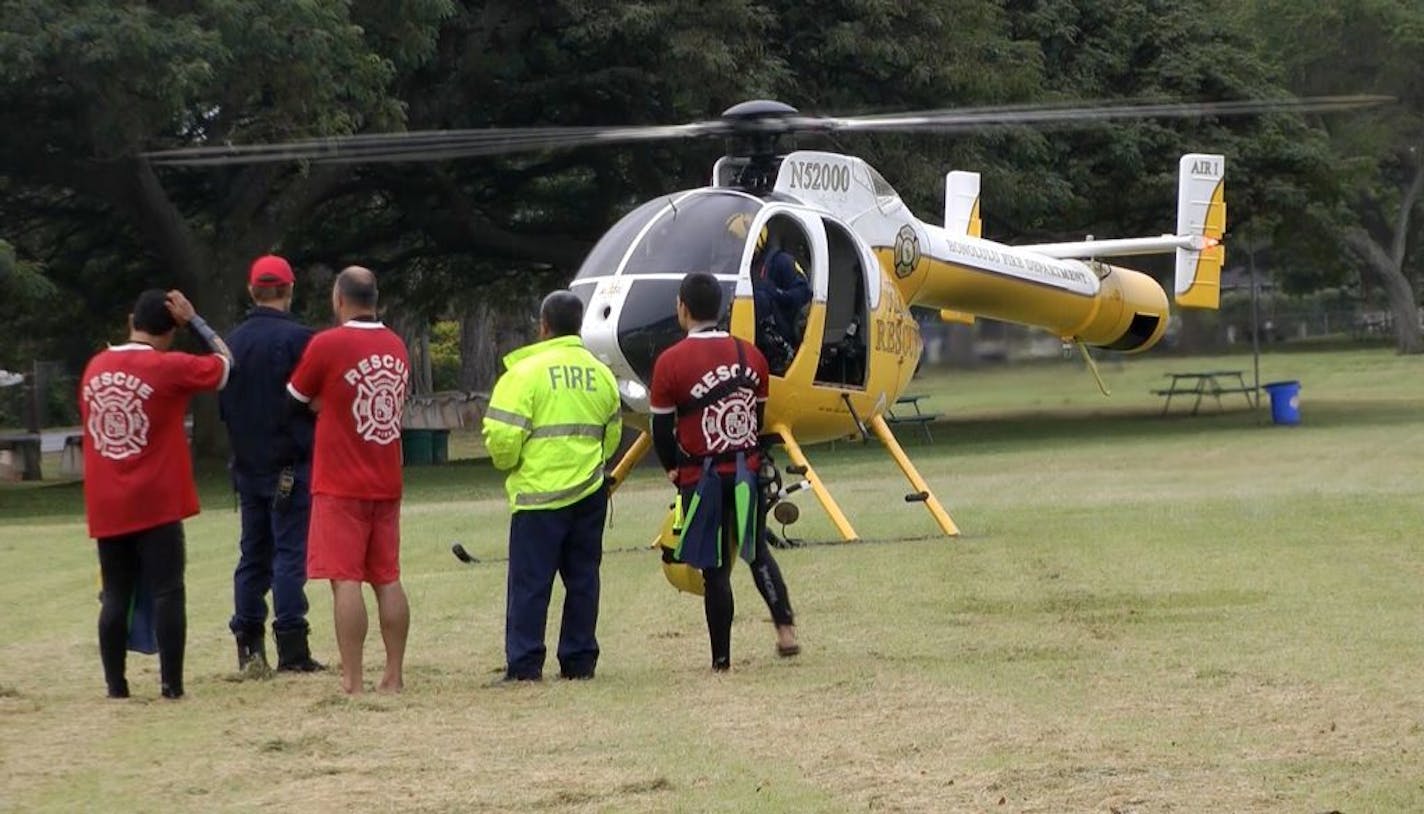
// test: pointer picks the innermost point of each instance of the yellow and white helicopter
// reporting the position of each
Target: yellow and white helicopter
(868, 259)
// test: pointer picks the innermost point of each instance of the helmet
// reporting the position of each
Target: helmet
(738, 224)
(680, 575)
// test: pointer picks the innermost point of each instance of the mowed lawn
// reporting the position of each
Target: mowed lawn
(1144, 614)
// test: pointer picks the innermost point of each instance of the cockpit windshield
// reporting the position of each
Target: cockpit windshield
(608, 252)
(701, 231)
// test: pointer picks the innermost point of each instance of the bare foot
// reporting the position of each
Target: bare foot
(786, 644)
(392, 686)
(351, 688)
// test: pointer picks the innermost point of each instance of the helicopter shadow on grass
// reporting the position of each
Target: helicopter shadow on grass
(1030, 430)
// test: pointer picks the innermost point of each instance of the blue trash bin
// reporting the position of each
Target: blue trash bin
(1285, 401)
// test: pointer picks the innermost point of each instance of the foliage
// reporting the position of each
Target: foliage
(1376, 159)
(86, 84)
(445, 355)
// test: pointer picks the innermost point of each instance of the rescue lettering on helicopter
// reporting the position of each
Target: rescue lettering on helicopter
(896, 336)
(820, 176)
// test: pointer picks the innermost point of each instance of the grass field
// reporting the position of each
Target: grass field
(1143, 615)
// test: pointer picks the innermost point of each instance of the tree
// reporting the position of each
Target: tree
(1367, 46)
(87, 85)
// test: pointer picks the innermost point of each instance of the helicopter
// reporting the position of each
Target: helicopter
(866, 257)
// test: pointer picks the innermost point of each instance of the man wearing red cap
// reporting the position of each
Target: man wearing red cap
(271, 471)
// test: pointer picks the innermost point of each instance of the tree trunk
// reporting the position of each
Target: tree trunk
(1390, 271)
(1402, 305)
(487, 333)
(1387, 262)
(414, 330)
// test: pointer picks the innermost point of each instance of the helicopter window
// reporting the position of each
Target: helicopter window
(608, 252)
(698, 232)
(884, 193)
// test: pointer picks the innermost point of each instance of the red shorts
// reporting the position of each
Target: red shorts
(354, 539)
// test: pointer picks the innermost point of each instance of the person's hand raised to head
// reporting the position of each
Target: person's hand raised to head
(180, 308)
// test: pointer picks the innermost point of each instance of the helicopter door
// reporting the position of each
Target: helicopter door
(843, 350)
(782, 280)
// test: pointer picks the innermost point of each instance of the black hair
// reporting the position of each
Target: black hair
(150, 313)
(357, 286)
(562, 311)
(702, 295)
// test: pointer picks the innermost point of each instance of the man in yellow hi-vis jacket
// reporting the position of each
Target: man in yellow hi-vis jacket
(553, 422)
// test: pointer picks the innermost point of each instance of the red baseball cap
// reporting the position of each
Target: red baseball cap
(269, 269)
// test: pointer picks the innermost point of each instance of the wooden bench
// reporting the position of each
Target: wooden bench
(20, 456)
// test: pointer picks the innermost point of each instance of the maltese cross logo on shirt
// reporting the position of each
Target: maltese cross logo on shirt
(118, 424)
(730, 423)
(377, 408)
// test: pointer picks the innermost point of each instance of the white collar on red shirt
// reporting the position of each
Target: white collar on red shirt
(131, 346)
(704, 330)
(361, 323)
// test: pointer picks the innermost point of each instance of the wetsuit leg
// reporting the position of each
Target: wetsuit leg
(119, 571)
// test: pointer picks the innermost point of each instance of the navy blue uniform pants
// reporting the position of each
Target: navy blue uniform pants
(568, 542)
(274, 557)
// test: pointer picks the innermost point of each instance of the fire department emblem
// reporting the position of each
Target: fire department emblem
(380, 396)
(118, 425)
(730, 423)
(907, 251)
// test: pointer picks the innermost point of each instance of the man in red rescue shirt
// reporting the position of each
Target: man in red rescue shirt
(707, 398)
(354, 377)
(138, 475)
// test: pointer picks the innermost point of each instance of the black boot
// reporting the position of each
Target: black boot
(293, 654)
(252, 654)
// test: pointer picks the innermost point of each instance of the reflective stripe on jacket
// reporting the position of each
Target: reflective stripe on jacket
(552, 421)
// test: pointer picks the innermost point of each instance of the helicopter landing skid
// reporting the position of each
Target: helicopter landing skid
(629, 460)
(922, 493)
(793, 450)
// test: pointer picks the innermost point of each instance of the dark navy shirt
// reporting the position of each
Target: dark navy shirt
(780, 291)
(265, 436)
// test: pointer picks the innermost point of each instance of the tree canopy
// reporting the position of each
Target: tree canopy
(87, 85)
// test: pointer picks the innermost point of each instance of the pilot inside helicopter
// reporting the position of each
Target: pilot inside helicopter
(780, 293)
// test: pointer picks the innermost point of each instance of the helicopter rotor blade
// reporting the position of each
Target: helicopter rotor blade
(430, 144)
(1048, 115)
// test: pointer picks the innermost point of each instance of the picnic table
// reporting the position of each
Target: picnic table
(905, 416)
(1202, 383)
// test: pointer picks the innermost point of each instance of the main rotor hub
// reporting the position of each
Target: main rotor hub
(756, 128)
